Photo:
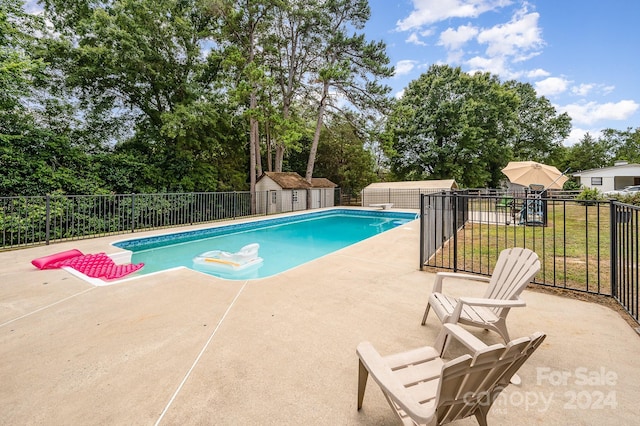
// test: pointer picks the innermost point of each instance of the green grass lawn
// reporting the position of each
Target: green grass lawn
(573, 246)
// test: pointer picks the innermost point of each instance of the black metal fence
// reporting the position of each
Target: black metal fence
(587, 246)
(625, 255)
(31, 221)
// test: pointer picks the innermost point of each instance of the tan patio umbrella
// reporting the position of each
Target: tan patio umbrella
(526, 173)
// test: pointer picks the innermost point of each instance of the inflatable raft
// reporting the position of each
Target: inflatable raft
(220, 262)
(98, 265)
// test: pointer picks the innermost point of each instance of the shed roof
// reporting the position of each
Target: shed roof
(287, 180)
(292, 180)
(322, 183)
(415, 184)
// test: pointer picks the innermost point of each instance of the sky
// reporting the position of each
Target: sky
(582, 55)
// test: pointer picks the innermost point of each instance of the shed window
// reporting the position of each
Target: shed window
(596, 181)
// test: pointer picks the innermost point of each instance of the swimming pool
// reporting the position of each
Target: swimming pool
(285, 242)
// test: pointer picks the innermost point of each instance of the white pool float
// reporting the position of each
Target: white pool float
(242, 261)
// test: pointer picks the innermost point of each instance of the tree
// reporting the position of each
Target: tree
(145, 58)
(246, 23)
(291, 49)
(37, 155)
(348, 68)
(625, 144)
(342, 156)
(540, 130)
(589, 153)
(450, 125)
(18, 66)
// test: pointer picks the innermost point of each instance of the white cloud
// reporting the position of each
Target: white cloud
(405, 67)
(585, 89)
(582, 89)
(429, 11)
(455, 56)
(521, 37)
(492, 65)
(551, 86)
(591, 112)
(455, 39)
(515, 41)
(413, 39)
(399, 94)
(537, 73)
(428, 32)
(608, 89)
(577, 134)
(497, 66)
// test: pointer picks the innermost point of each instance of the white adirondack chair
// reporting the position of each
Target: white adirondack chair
(425, 390)
(514, 269)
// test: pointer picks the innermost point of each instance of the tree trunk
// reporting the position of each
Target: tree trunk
(316, 136)
(267, 132)
(257, 147)
(279, 157)
(253, 132)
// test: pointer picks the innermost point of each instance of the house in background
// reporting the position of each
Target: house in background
(288, 191)
(605, 179)
(404, 194)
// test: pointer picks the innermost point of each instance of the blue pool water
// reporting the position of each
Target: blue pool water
(285, 242)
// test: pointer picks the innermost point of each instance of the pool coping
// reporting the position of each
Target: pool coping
(257, 222)
(124, 256)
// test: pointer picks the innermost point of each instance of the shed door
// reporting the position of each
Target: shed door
(273, 202)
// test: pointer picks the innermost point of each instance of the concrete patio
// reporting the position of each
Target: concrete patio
(185, 348)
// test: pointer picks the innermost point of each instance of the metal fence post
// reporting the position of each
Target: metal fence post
(422, 228)
(454, 230)
(613, 243)
(47, 224)
(133, 213)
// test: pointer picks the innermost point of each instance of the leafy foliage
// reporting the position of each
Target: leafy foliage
(589, 153)
(138, 96)
(633, 199)
(145, 58)
(590, 194)
(571, 185)
(452, 125)
(449, 124)
(343, 157)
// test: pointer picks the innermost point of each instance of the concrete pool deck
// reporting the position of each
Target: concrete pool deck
(186, 348)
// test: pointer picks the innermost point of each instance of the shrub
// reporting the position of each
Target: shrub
(633, 199)
(571, 185)
(589, 196)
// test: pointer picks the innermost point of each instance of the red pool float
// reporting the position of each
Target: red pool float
(92, 265)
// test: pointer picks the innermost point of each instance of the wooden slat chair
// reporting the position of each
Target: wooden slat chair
(514, 269)
(425, 390)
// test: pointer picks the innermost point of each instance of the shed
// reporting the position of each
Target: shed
(288, 191)
(405, 194)
(323, 193)
(605, 179)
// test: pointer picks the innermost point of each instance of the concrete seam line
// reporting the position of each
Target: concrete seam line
(46, 307)
(204, 348)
